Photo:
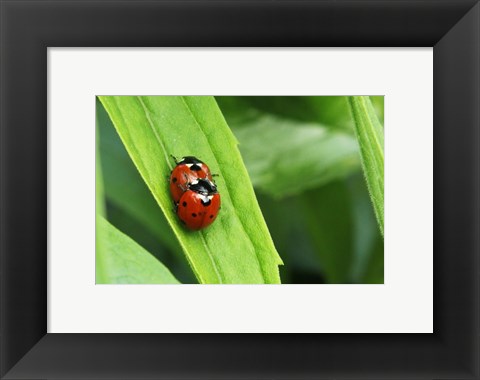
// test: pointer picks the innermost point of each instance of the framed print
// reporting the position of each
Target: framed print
(388, 306)
(49, 330)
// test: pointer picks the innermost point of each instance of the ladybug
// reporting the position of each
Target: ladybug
(187, 171)
(199, 205)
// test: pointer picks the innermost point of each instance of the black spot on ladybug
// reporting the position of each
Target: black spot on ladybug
(211, 216)
(207, 202)
(194, 215)
(184, 204)
(174, 179)
(195, 168)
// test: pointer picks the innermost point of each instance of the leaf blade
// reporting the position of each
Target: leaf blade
(100, 265)
(299, 156)
(126, 262)
(237, 248)
(124, 187)
(371, 142)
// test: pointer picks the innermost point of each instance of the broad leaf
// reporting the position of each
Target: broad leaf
(125, 188)
(370, 139)
(126, 262)
(285, 157)
(237, 248)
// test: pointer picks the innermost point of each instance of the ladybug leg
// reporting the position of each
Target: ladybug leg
(215, 175)
(175, 207)
(174, 159)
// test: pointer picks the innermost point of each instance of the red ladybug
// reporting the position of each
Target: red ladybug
(187, 171)
(199, 205)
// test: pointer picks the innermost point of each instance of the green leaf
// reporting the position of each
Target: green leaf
(378, 105)
(369, 133)
(99, 185)
(330, 236)
(125, 188)
(330, 223)
(137, 231)
(367, 265)
(237, 248)
(285, 157)
(126, 262)
(99, 211)
(330, 111)
(131, 206)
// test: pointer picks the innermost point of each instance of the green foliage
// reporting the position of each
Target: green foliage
(125, 188)
(299, 155)
(237, 248)
(131, 206)
(125, 262)
(99, 211)
(323, 226)
(302, 156)
(331, 111)
(370, 138)
(329, 221)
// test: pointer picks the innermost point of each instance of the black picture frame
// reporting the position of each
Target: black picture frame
(452, 28)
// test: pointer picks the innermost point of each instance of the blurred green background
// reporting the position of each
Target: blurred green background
(302, 157)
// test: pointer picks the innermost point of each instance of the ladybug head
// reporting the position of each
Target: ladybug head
(190, 160)
(204, 186)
